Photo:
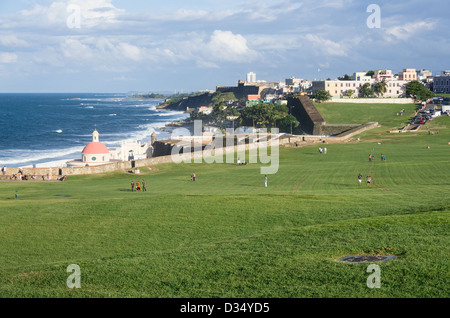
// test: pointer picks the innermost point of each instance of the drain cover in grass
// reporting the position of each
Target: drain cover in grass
(366, 258)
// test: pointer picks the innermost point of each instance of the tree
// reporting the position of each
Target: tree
(288, 122)
(416, 90)
(366, 91)
(350, 93)
(345, 78)
(322, 95)
(380, 88)
(370, 73)
(268, 115)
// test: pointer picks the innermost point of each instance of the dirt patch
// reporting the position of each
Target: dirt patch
(366, 258)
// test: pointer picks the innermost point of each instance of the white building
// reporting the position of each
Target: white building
(251, 77)
(361, 77)
(132, 150)
(424, 74)
(94, 153)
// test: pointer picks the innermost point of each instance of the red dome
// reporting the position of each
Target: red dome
(95, 148)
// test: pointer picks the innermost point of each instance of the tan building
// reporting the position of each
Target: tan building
(337, 89)
(408, 74)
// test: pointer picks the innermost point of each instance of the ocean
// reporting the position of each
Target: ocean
(46, 130)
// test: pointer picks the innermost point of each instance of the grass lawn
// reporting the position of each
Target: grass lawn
(226, 235)
(352, 113)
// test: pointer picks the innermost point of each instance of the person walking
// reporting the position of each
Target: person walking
(359, 179)
(144, 186)
(193, 176)
(368, 180)
(132, 186)
(265, 181)
(4, 170)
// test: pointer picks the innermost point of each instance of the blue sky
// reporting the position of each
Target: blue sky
(122, 46)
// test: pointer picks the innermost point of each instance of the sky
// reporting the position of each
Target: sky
(120, 46)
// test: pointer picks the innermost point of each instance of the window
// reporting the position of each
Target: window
(93, 158)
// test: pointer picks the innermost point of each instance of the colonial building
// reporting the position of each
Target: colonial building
(408, 74)
(386, 75)
(95, 152)
(441, 83)
(394, 88)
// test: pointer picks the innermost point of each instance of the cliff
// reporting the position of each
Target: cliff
(196, 101)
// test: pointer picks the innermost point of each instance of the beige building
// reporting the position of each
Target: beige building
(424, 75)
(337, 88)
(408, 74)
(394, 88)
(361, 76)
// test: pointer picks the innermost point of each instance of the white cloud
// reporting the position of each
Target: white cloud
(406, 31)
(229, 47)
(7, 58)
(92, 13)
(74, 49)
(325, 46)
(12, 41)
(271, 12)
(130, 51)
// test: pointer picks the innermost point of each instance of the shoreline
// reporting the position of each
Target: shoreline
(164, 128)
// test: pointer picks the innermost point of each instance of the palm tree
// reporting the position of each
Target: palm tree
(380, 88)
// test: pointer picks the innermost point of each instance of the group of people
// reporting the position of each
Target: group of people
(21, 176)
(368, 179)
(372, 157)
(138, 186)
(241, 163)
(323, 151)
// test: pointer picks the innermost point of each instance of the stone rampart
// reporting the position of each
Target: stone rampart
(54, 173)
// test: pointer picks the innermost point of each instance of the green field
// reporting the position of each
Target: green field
(351, 113)
(226, 235)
